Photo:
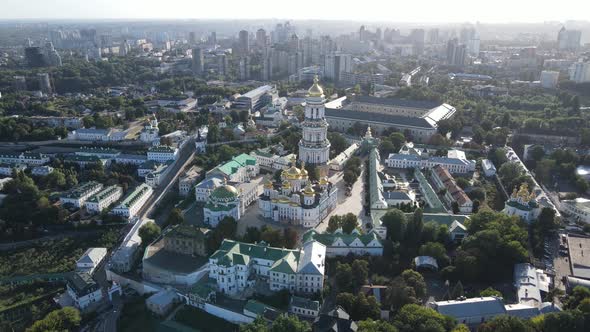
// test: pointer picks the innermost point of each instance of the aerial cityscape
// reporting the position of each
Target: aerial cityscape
(248, 167)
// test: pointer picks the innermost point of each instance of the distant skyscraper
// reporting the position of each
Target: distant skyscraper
(433, 36)
(192, 38)
(19, 83)
(198, 61)
(336, 64)
(267, 68)
(212, 39)
(44, 83)
(34, 56)
(261, 38)
(456, 53)
(569, 40)
(362, 33)
(244, 68)
(243, 42)
(222, 65)
(294, 43)
(417, 39)
(580, 72)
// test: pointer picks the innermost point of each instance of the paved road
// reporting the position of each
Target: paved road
(347, 204)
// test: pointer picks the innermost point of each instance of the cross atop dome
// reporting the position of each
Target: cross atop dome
(316, 90)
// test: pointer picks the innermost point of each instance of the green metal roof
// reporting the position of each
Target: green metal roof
(328, 239)
(226, 253)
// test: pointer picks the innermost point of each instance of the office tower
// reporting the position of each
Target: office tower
(19, 83)
(362, 33)
(307, 45)
(580, 72)
(28, 42)
(243, 43)
(568, 40)
(456, 53)
(379, 34)
(222, 65)
(192, 38)
(294, 43)
(34, 56)
(433, 36)
(44, 83)
(549, 79)
(244, 68)
(267, 68)
(335, 64)
(212, 38)
(51, 57)
(261, 38)
(292, 64)
(198, 64)
(417, 39)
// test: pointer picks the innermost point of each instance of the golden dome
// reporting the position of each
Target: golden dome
(268, 184)
(324, 180)
(286, 184)
(308, 190)
(315, 90)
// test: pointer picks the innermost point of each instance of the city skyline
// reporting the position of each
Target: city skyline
(503, 11)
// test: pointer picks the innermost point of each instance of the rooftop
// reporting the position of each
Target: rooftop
(580, 260)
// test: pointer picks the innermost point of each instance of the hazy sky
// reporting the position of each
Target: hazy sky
(363, 10)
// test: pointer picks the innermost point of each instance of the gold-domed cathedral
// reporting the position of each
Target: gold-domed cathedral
(314, 146)
(296, 200)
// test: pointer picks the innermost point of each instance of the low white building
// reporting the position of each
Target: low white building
(83, 290)
(103, 199)
(124, 256)
(132, 159)
(303, 307)
(412, 157)
(42, 170)
(8, 169)
(162, 153)
(523, 204)
(133, 202)
(578, 209)
(94, 134)
(162, 302)
(340, 160)
(488, 168)
(188, 181)
(90, 260)
(235, 266)
(24, 158)
(341, 244)
(457, 231)
(78, 195)
(472, 311)
(156, 176)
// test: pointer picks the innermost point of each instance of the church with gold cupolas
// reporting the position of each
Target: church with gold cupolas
(296, 200)
(523, 204)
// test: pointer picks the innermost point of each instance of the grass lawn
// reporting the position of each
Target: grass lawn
(202, 321)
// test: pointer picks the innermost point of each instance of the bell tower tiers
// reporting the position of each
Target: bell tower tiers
(314, 146)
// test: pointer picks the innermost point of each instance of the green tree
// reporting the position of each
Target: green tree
(490, 292)
(360, 272)
(370, 325)
(409, 287)
(416, 318)
(343, 277)
(334, 223)
(176, 217)
(289, 323)
(349, 223)
(258, 325)
(505, 323)
(66, 319)
(395, 222)
(149, 232)
(435, 250)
